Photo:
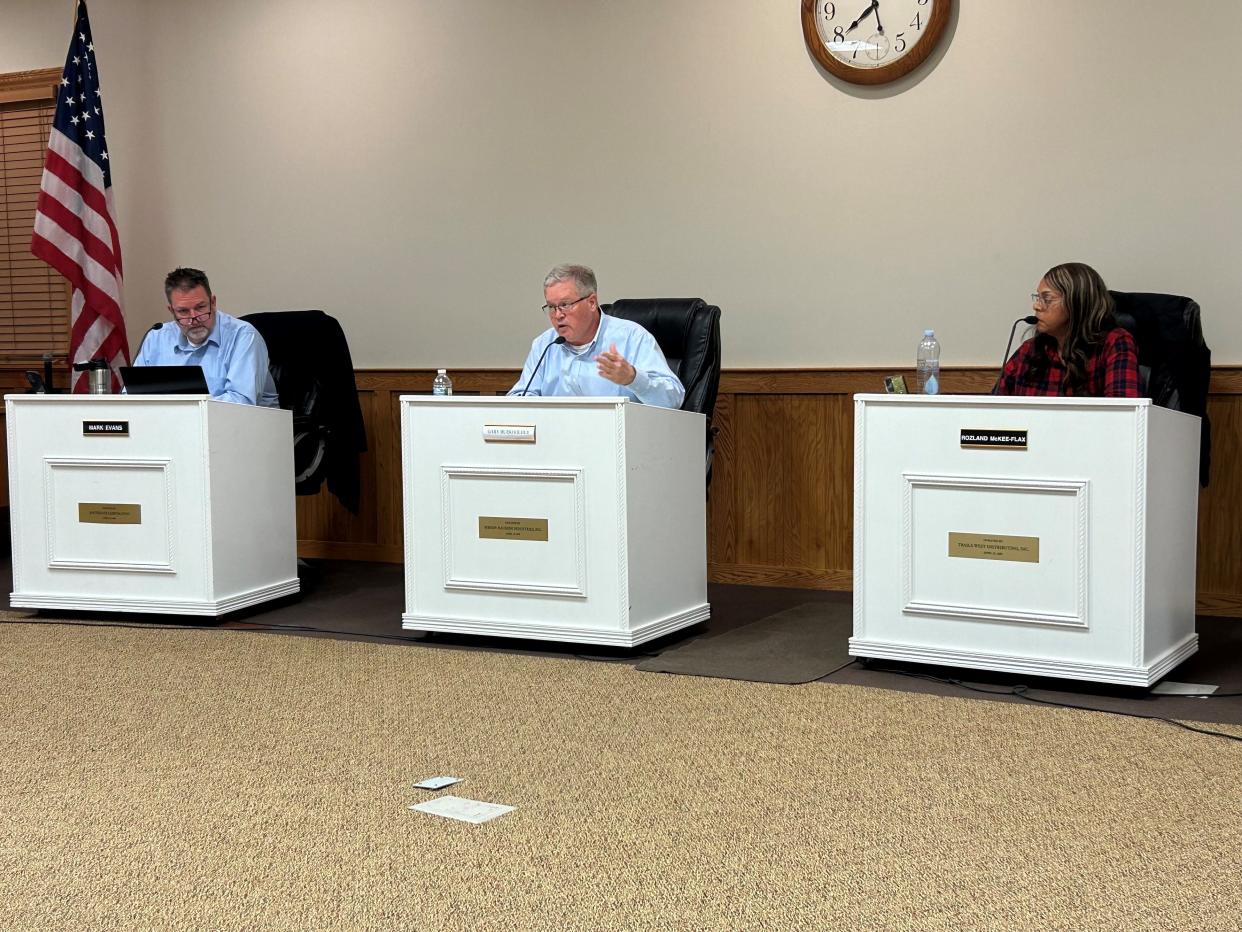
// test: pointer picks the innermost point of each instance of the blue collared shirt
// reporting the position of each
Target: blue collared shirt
(233, 357)
(565, 372)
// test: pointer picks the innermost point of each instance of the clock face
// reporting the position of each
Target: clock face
(873, 41)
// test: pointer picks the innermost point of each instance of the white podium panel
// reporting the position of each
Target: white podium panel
(173, 504)
(1050, 536)
(566, 519)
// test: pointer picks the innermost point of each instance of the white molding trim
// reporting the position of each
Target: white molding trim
(164, 465)
(206, 607)
(577, 590)
(576, 635)
(15, 536)
(860, 522)
(407, 502)
(623, 544)
(1080, 489)
(1140, 532)
(1137, 675)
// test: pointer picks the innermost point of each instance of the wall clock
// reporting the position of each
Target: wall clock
(873, 41)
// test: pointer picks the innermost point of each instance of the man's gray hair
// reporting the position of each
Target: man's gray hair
(580, 275)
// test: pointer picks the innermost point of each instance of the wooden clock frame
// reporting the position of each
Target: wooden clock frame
(885, 73)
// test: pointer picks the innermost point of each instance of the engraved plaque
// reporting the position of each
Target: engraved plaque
(109, 513)
(983, 438)
(494, 528)
(105, 428)
(509, 433)
(994, 547)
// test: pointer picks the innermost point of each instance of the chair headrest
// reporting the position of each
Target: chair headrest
(667, 319)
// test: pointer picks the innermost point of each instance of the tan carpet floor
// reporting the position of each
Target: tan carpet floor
(236, 780)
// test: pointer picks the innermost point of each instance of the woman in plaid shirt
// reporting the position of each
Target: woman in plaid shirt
(1078, 349)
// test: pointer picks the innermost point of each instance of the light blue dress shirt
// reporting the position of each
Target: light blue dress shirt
(233, 357)
(566, 372)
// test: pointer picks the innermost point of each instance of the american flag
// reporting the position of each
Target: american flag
(75, 226)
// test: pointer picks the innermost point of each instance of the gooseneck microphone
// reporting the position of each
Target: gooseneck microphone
(154, 327)
(557, 342)
(1029, 319)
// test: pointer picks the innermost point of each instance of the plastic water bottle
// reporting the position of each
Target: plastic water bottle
(928, 375)
(442, 384)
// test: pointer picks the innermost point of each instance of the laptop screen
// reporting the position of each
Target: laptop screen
(164, 380)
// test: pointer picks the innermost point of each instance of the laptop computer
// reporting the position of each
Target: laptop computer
(164, 380)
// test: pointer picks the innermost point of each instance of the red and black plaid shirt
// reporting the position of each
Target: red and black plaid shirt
(1037, 369)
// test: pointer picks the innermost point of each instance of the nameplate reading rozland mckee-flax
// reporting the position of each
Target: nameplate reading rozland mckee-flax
(981, 438)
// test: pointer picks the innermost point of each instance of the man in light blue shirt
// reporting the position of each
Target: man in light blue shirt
(231, 352)
(586, 352)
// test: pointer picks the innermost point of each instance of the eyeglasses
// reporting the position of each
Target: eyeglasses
(550, 309)
(1047, 299)
(188, 315)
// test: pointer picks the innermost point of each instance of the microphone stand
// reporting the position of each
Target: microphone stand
(1029, 319)
(557, 342)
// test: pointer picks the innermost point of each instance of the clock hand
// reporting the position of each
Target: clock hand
(863, 15)
(879, 26)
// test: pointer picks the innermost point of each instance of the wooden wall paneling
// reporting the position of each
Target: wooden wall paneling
(388, 473)
(780, 510)
(326, 528)
(755, 495)
(810, 483)
(792, 457)
(838, 517)
(1220, 512)
(762, 472)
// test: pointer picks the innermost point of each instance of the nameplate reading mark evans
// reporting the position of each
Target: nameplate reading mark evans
(492, 528)
(509, 433)
(994, 547)
(105, 428)
(109, 513)
(1007, 439)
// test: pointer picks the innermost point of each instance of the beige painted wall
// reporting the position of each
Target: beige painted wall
(414, 166)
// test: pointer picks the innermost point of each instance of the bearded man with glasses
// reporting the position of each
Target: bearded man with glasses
(589, 353)
(231, 352)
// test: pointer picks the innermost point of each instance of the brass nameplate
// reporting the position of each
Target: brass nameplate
(994, 547)
(509, 433)
(105, 428)
(109, 513)
(978, 438)
(492, 528)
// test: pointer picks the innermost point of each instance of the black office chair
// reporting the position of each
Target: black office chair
(314, 375)
(688, 331)
(1175, 364)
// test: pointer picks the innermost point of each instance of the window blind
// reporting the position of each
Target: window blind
(34, 298)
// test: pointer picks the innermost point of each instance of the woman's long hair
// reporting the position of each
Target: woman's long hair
(1090, 309)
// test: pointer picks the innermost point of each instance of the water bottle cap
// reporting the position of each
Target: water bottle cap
(441, 371)
(929, 333)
